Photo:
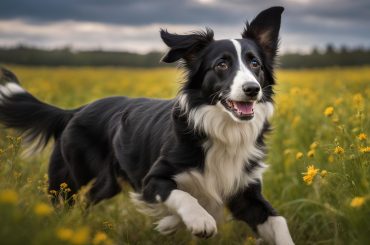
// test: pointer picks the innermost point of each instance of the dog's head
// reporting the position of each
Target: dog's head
(233, 73)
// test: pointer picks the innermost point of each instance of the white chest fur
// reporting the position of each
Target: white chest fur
(229, 147)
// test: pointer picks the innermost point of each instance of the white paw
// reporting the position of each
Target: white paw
(275, 231)
(168, 224)
(200, 223)
(196, 219)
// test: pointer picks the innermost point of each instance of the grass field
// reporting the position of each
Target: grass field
(319, 175)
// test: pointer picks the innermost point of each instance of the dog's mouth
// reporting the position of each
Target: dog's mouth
(243, 110)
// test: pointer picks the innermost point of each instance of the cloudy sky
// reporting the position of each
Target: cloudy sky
(134, 24)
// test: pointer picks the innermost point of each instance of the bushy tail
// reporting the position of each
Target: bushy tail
(37, 121)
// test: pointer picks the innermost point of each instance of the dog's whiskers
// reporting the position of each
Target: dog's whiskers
(214, 96)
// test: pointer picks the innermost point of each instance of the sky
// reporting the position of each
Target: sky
(133, 25)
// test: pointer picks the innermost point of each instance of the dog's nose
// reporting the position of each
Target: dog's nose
(251, 89)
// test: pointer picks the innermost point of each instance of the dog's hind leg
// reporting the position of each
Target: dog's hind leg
(59, 173)
(106, 183)
(90, 162)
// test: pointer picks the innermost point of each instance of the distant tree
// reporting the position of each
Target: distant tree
(330, 49)
(343, 49)
(359, 49)
(66, 48)
(315, 50)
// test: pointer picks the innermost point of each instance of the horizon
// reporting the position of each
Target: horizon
(312, 50)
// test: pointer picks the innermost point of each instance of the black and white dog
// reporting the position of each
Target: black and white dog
(186, 158)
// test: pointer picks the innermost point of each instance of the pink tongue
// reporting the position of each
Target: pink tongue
(245, 108)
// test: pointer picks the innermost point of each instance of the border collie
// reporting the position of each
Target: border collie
(186, 158)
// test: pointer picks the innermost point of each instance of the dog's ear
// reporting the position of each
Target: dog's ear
(264, 29)
(185, 46)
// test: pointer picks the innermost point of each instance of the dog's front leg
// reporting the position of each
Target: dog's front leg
(197, 220)
(251, 207)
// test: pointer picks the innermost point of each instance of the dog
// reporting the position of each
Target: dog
(186, 158)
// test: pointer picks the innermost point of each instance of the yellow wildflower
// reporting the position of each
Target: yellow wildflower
(296, 121)
(17, 174)
(357, 202)
(287, 151)
(338, 150)
(81, 236)
(299, 155)
(108, 225)
(338, 101)
(8, 196)
(74, 197)
(64, 234)
(362, 136)
(250, 241)
(331, 159)
(324, 173)
(311, 153)
(358, 99)
(63, 185)
(314, 145)
(99, 238)
(365, 149)
(310, 174)
(53, 192)
(43, 209)
(294, 91)
(329, 111)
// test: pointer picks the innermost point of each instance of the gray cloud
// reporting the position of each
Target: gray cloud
(305, 22)
(115, 11)
(176, 12)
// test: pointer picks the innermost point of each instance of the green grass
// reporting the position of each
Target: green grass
(319, 213)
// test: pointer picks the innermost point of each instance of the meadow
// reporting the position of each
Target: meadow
(319, 157)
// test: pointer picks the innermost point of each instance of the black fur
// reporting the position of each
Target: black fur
(251, 207)
(147, 142)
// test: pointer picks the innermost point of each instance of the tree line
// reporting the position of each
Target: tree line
(23, 55)
(331, 56)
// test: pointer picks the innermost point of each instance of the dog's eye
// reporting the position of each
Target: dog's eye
(254, 63)
(222, 66)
